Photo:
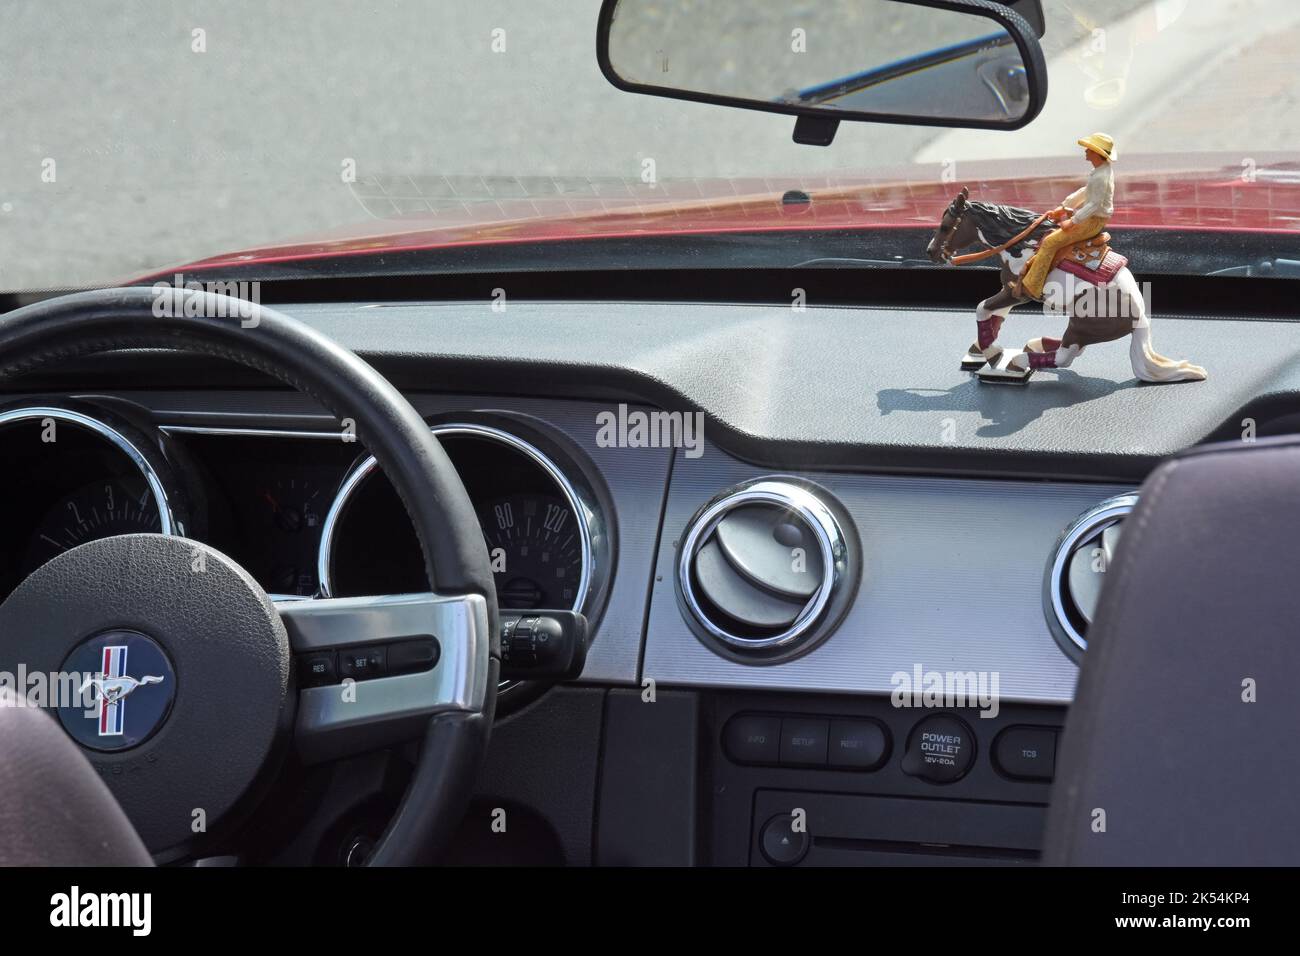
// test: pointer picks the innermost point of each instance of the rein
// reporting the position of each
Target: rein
(995, 250)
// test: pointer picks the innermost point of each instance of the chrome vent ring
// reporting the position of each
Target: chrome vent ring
(1076, 570)
(766, 567)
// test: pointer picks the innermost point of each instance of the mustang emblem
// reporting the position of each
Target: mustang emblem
(113, 689)
(112, 686)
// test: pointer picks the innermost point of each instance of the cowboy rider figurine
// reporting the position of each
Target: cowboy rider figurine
(1085, 212)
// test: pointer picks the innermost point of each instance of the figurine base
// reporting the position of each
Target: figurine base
(1000, 372)
(973, 360)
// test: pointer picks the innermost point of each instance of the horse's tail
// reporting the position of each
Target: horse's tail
(1150, 366)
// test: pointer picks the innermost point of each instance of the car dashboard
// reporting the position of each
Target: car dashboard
(786, 529)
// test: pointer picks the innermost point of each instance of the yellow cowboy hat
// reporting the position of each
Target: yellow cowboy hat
(1102, 145)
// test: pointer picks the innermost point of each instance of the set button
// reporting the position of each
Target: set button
(362, 663)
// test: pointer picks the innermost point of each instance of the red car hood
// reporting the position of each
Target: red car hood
(1212, 193)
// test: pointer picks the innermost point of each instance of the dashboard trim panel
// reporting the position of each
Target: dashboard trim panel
(951, 581)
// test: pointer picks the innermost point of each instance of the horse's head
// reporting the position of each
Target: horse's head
(956, 229)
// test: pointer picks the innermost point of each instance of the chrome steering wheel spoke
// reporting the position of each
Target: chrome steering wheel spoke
(353, 715)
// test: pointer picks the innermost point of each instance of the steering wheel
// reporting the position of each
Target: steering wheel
(228, 706)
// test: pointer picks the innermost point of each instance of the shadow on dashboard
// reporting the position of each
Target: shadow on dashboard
(1004, 408)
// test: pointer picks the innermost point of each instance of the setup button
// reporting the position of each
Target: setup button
(803, 741)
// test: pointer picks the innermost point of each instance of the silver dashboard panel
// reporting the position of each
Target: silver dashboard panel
(951, 581)
(952, 567)
(634, 477)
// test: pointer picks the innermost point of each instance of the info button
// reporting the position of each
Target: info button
(753, 738)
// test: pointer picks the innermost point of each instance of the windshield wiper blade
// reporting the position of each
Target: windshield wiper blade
(840, 262)
(1274, 267)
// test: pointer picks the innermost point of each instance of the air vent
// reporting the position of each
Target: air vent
(1078, 569)
(766, 567)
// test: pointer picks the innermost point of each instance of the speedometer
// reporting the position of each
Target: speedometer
(537, 525)
(536, 551)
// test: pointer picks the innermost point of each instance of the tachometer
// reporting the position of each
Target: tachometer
(97, 510)
(81, 472)
(536, 551)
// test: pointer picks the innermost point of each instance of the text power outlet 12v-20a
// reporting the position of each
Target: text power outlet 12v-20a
(543, 645)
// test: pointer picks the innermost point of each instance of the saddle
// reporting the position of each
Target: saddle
(1092, 260)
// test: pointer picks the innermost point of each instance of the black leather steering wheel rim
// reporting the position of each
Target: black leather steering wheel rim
(410, 454)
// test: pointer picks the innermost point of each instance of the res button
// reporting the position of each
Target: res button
(319, 668)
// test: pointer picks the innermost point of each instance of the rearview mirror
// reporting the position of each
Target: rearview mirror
(923, 62)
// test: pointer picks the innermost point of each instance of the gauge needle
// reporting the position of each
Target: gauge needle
(270, 499)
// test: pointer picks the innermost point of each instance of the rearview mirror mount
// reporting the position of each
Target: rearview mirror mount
(954, 63)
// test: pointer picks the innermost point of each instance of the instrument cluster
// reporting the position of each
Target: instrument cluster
(78, 473)
(307, 514)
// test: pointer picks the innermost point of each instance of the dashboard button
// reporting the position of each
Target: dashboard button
(317, 669)
(362, 663)
(803, 741)
(753, 738)
(781, 844)
(857, 744)
(940, 749)
(408, 656)
(1026, 752)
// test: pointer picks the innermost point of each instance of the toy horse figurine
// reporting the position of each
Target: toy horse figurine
(1085, 280)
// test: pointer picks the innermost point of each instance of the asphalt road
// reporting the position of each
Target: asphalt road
(161, 154)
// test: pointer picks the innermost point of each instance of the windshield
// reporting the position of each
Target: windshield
(141, 136)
